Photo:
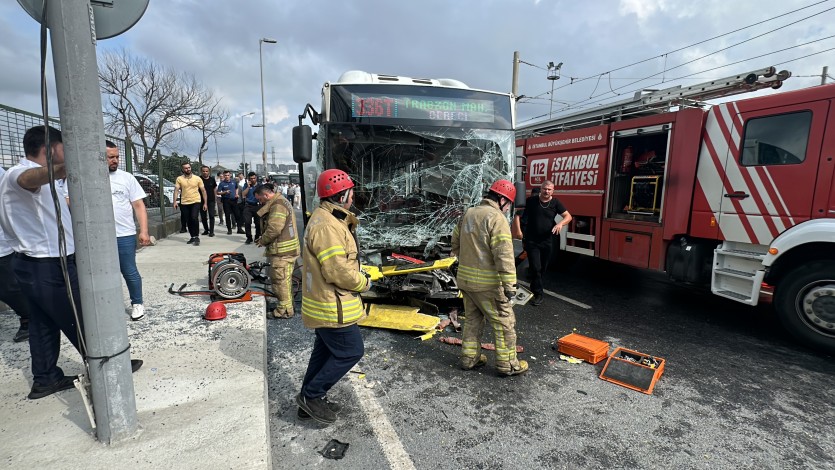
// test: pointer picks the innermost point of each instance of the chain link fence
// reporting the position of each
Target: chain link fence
(156, 174)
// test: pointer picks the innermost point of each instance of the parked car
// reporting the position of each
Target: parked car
(167, 186)
(152, 190)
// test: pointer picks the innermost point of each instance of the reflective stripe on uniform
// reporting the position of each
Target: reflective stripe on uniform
(501, 237)
(359, 287)
(470, 348)
(329, 311)
(503, 354)
(478, 276)
(330, 252)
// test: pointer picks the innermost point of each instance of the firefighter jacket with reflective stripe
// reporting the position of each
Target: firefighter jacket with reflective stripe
(278, 228)
(331, 277)
(482, 242)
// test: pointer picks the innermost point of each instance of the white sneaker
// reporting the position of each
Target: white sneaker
(137, 312)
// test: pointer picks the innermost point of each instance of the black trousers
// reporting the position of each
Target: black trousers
(250, 215)
(209, 213)
(10, 292)
(183, 220)
(335, 352)
(192, 214)
(239, 214)
(539, 255)
(230, 212)
(50, 311)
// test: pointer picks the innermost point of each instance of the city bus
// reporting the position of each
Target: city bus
(420, 151)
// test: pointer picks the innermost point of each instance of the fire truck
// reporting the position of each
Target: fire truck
(738, 196)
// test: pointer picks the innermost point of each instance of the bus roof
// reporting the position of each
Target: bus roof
(355, 77)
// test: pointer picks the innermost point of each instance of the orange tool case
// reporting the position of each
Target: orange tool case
(633, 369)
(582, 347)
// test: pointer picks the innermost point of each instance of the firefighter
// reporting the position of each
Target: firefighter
(279, 236)
(331, 304)
(487, 279)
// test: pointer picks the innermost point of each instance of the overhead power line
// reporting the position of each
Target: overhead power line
(613, 90)
(577, 80)
(587, 104)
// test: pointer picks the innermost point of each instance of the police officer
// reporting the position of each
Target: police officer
(331, 304)
(487, 279)
(278, 235)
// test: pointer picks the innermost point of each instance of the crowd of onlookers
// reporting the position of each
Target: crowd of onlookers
(232, 200)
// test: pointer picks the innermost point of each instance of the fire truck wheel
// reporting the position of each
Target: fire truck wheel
(805, 303)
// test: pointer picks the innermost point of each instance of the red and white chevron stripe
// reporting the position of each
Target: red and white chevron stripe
(758, 218)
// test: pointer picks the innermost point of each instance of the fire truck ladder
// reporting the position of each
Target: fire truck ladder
(646, 102)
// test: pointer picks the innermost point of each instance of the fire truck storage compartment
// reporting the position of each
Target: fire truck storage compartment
(690, 260)
(639, 158)
(630, 248)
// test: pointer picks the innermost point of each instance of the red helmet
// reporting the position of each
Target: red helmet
(332, 182)
(504, 188)
(215, 311)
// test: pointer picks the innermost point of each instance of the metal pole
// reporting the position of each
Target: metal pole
(515, 84)
(79, 103)
(551, 108)
(263, 117)
(824, 74)
(243, 144)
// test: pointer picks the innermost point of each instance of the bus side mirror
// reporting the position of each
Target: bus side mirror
(520, 194)
(302, 144)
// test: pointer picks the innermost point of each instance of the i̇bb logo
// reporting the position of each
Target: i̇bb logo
(539, 168)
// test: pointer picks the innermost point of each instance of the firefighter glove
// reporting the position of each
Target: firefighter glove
(510, 292)
(367, 280)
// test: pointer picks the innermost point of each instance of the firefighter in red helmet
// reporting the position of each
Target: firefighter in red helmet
(487, 279)
(331, 304)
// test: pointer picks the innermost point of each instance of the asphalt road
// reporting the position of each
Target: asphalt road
(736, 393)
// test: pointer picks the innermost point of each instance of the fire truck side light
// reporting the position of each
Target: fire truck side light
(773, 251)
(713, 221)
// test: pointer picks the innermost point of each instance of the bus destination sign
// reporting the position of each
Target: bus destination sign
(428, 108)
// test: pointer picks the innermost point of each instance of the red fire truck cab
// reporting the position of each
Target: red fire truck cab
(734, 195)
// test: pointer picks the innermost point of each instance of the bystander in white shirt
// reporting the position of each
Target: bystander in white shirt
(27, 234)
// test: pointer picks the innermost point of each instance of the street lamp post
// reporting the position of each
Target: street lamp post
(243, 145)
(263, 118)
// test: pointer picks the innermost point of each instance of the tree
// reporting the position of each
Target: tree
(153, 105)
(210, 122)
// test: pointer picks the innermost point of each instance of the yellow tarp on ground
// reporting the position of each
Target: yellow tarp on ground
(398, 317)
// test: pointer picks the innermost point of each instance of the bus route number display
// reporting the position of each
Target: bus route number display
(423, 108)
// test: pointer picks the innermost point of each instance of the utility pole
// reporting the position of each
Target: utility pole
(824, 73)
(514, 88)
(553, 75)
(79, 104)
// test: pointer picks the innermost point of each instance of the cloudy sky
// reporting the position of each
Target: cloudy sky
(472, 41)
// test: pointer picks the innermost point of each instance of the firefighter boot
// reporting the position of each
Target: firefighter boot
(470, 363)
(283, 311)
(514, 367)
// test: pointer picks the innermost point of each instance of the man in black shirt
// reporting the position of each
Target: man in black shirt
(538, 226)
(208, 215)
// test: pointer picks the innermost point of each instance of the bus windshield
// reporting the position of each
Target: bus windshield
(413, 182)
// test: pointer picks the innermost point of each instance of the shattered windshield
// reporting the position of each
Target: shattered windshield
(414, 182)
